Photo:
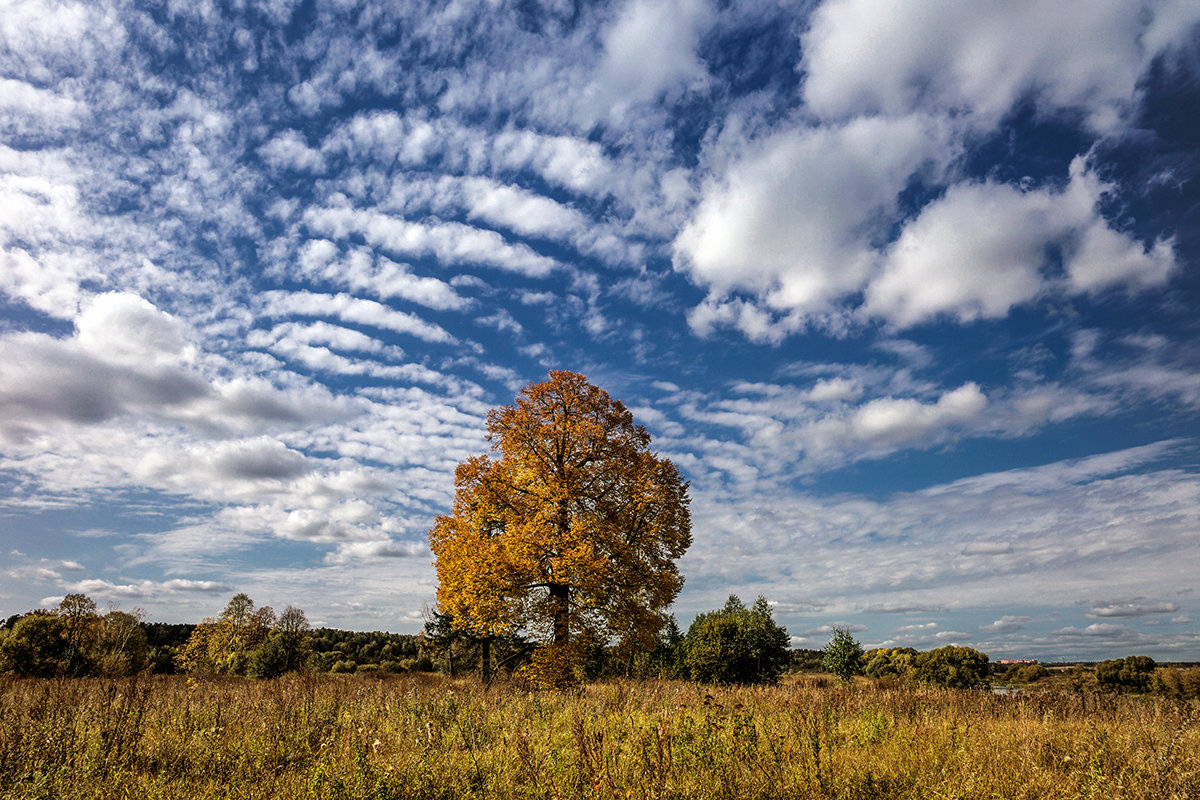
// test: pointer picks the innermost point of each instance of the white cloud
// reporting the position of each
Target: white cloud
(1139, 607)
(889, 420)
(288, 150)
(892, 57)
(450, 242)
(1110, 526)
(146, 589)
(1009, 623)
(124, 328)
(354, 310)
(793, 220)
(373, 550)
(650, 49)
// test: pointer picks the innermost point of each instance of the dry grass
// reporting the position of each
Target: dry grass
(425, 737)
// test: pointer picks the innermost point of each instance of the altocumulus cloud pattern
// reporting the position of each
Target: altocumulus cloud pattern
(906, 289)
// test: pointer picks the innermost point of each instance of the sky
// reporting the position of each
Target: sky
(905, 288)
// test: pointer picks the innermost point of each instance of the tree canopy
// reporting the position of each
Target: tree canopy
(735, 645)
(568, 531)
(843, 656)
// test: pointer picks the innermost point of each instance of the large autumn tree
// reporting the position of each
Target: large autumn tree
(568, 531)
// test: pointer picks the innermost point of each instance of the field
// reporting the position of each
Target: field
(423, 736)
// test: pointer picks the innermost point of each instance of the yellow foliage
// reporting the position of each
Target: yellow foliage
(222, 646)
(570, 526)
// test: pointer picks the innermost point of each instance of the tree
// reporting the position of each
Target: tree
(292, 628)
(896, 662)
(567, 532)
(952, 667)
(121, 648)
(37, 645)
(82, 624)
(223, 645)
(843, 656)
(1130, 674)
(736, 645)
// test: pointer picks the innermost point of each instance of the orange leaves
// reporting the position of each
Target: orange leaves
(571, 526)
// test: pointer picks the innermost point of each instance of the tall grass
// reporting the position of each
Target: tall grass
(426, 737)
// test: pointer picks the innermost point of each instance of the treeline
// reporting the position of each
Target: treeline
(736, 644)
(75, 640)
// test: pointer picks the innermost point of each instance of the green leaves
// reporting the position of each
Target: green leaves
(735, 645)
(843, 656)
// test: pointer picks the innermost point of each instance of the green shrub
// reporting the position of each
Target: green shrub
(735, 645)
(952, 668)
(1131, 674)
(843, 656)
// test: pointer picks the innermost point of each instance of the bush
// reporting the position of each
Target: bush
(1131, 674)
(896, 662)
(952, 668)
(843, 656)
(37, 645)
(735, 645)
(270, 660)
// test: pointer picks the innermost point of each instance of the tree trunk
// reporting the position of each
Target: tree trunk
(561, 593)
(485, 660)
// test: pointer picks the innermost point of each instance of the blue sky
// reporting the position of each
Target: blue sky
(906, 289)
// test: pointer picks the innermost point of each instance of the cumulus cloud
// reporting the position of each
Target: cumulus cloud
(378, 549)
(649, 49)
(47, 381)
(792, 220)
(888, 420)
(289, 151)
(1009, 623)
(880, 57)
(800, 242)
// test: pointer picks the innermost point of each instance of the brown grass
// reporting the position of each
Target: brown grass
(427, 737)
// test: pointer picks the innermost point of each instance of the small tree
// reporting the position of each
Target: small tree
(952, 667)
(37, 646)
(735, 645)
(896, 662)
(224, 645)
(121, 648)
(1131, 674)
(843, 656)
(82, 624)
(293, 628)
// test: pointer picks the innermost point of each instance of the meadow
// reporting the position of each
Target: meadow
(426, 736)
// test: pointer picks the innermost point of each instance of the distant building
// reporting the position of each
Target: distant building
(1017, 661)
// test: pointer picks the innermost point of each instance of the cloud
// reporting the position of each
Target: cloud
(366, 273)
(981, 249)
(791, 220)
(1064, 524)
(882, 57)
(146, 589)
(126, 329)
(649, 49)
(352, 309)
(889, 420)
(47, 381)
(289, 151)
(1007, 624)
(1131, 608)
(373, 550)
(452, 243)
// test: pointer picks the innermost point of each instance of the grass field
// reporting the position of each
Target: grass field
(422, 736)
